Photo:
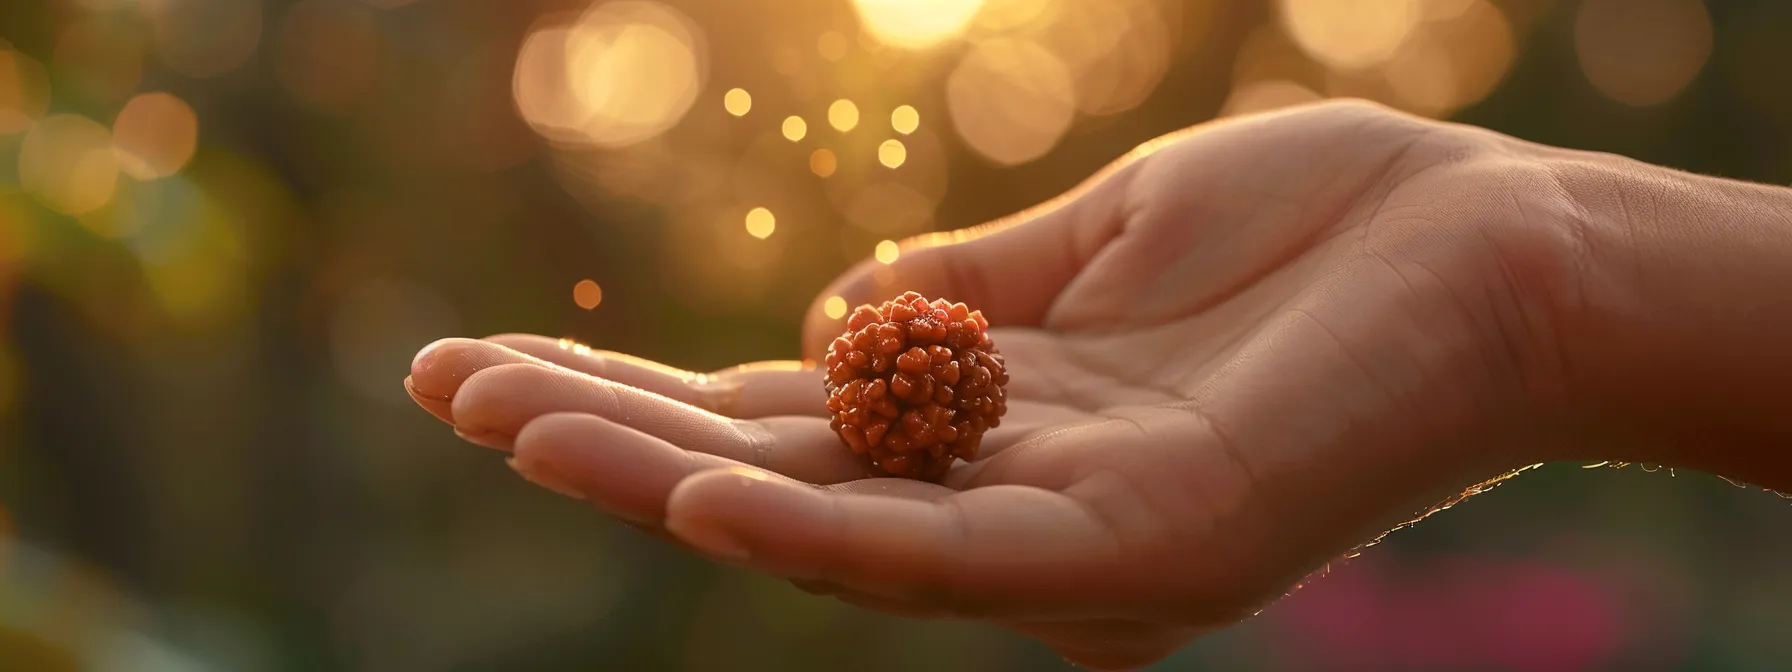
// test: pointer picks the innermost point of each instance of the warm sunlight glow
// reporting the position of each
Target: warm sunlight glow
(624, 72)
(761, 223)
(1642, 52)
(155, 135)
(587, 294)
(915, 24)
(835, 307)
(823, 163)
(843, 115)
(1349, 34)
(1011, 100)
(67, 162)
(887, 252)
(905, 119)
(892, 153)
(738, 102)
(795, 128)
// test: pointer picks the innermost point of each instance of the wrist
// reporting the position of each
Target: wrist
(1675, 339)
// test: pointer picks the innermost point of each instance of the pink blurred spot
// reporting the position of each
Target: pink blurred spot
(1455, 613)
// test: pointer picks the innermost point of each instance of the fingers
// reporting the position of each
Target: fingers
(999, 550)
(499, 402)
(439, 369)
(624, 471)
(756, 390)
(1010, 269)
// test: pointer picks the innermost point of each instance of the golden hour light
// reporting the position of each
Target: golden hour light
(625, 72)
(915, 24)
(1452, 62)
(823, 163)
(1642, 52)
(1003, 15)
(738, 102)
(587, 294)
(1349, 34)
(1011, 100)
(67, 162)
(24, 91)
(761, 223)
(795, 128)
(892, 153)
(887, 251)
(843, 115)
(905, 119)
(832, 45)
(1266, 95)
(835, 307)
(155, 134)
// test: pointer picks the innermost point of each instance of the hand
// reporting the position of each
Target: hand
(1240, 352)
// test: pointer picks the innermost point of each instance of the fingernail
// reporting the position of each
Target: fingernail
(710, 538)
(544, 476)
(493, 440)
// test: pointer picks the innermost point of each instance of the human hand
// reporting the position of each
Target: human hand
(1240, 352)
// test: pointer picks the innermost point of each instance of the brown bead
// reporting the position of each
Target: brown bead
(913, 384)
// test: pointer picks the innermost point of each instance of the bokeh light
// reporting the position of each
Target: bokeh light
(887, 252)
(155, 134)
(892, 153)
(999, 16)
(1349, 34)
(889, 210)
(794, 128)
(823, 163)
(1267, 95)
(1642, 52)
(843, 115)
(1117, 51)
(1011, 100)
(587, 294)
(905, 119)
(738, 102)
(1452, 62)
(101, 61)
(623, 72)
(915, 24)
(67, 162)
(326, 53)
(24, 91)
(360, 182)
(204, 38)
(761, 223)
(832, 45)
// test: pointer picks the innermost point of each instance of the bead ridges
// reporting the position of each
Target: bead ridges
(914, 384)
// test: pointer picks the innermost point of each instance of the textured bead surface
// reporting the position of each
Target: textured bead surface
(913, 384)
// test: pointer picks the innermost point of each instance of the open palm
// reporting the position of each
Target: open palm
(1236, 354)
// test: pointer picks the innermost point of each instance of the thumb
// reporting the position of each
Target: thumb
(1012, 269)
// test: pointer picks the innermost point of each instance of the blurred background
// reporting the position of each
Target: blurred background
(226, 225)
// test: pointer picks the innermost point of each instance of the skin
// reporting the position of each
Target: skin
(1240, 352)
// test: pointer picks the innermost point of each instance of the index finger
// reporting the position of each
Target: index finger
(751, 390)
